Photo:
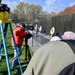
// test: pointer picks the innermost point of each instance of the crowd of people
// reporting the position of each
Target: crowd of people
(57, 57)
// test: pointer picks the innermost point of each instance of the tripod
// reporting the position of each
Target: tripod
(27, 50)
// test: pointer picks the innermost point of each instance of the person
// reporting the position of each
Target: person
(19, 33)
(36, 30)
(52, 58)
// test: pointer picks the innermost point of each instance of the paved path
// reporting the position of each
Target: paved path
(37, 42)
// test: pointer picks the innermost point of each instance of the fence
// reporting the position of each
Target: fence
(61, 24)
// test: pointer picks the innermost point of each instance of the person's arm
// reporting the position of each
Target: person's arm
(20, 32)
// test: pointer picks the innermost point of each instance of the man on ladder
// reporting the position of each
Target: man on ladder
(19, 34)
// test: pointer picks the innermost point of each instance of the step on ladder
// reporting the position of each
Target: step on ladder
(3, 46)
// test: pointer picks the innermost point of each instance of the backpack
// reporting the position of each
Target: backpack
(70, 69)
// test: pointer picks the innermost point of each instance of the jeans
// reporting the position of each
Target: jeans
(1, 49)
(17, 51)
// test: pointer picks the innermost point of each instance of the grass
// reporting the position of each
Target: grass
(3, 66)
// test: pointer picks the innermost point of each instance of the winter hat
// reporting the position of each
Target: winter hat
(68, 35)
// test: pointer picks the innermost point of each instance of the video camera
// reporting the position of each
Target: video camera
(4, 7)
(4, 12)
(29, 35)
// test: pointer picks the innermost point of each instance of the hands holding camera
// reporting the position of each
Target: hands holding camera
(29, 35)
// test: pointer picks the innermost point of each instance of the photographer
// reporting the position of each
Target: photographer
(19, 33)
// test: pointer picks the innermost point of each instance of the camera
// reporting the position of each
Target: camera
(28, 36)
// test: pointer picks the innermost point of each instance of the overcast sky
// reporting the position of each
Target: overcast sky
(48, 5)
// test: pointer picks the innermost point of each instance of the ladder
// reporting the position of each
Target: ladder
(3, 27)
